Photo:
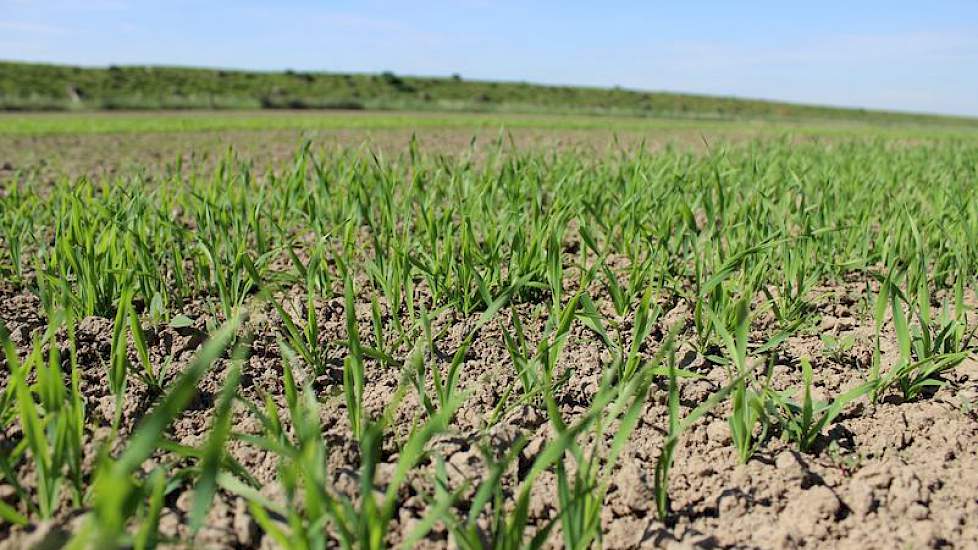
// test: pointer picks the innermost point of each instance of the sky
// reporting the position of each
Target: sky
(908, 56)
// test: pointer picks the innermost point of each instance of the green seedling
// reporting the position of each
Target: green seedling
(838, 347)
(51, 419)
(116, 490)
(926, 350)
(802, 422)
(353, 367)
(302, 340)
(748, 411)
(590, 252)
(536, 371)
(678, 425)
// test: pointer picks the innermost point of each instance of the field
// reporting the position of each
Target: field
(362, 330)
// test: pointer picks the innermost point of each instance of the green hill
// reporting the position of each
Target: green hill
(42, 87)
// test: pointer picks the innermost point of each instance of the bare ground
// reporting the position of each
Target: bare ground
(894, 474)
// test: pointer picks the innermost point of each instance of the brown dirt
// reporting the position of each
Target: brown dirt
(126, 154)
(894, 474)
(100, 155)
(890, 475)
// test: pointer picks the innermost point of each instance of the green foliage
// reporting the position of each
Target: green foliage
(748, 409)
(51, 418)
(802, 422)
(353, 367)
(117, 494)
(409, 273)
(28, 87)
(927, 348)
(677, 425)
(838, 346)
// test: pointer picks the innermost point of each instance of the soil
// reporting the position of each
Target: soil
(127, 154)
(115, 155)
(888, 475)
(894, 474)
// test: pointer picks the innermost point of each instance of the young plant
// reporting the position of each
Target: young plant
(580, 495)
(748, 412)
(803, 422)
(363, 522)
(838, 346)
(645, 318)
(353, 367)
(506, 532)
(302, 340)
(536, 371)
(116, 490)
(419, 365)
(677, 426)
(748, 409)
(788, 301)
(51, 418)
(925, 351)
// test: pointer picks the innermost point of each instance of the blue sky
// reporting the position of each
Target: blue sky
(915, 56)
